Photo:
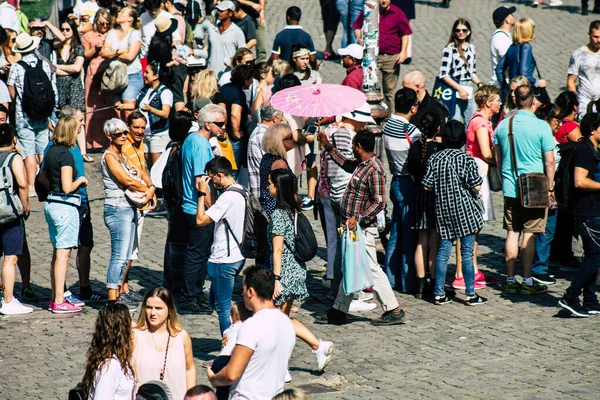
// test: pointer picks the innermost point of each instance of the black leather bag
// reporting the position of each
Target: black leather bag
(533, 187)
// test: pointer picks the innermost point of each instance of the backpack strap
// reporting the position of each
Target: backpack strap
(227, 226)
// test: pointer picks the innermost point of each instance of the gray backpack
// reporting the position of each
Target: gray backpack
(11, 207)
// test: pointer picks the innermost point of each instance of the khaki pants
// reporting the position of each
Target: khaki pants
(382, 289)
(389, 70)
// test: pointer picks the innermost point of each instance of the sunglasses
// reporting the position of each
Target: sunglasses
(288, 137)
(457, 31)
(103, 23)
(65, 29)
(118, 134)
(218, 124)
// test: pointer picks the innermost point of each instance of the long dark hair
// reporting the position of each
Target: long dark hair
(75, 41)
(453, 39)
(567, 101)
(283, 179)
(589, 123)
(429, 124)
(112, 338)
(160, 51)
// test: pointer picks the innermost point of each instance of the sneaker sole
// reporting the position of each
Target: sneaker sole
(308, 208)
(438, 303)
(397, 322)
(65, 311)
(543, 282)
(475, 304)
(528, 293)
(571, 310)
(328, 360)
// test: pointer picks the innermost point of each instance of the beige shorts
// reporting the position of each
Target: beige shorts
(156, 143)
(519, 219)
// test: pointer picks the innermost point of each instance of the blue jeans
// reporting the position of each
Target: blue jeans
(543, 242)
(465, 108)
(349, 10)
(222, 278)
(400, 252)
(467, 243)
(585, 278)
(120, 222)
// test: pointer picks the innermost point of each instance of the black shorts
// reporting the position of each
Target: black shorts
(310, 158)
(86, 232)
(12, 236)
(179, 76)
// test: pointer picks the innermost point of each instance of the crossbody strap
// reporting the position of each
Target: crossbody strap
(228, 227)
(513, 152)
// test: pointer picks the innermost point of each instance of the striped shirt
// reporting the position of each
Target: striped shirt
(255, 155)
(341, 139)
(364, 197)
(452, 173)
(398, 134)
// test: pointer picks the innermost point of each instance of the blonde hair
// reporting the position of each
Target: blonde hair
(281, 67)
(291, 394)
(523, 32)
(65, 132)
(239, 312)
(173, 324)
(205, 85)
(103, 12)
(484, 94)
(272, 142)
(137, 22)
(519, 80)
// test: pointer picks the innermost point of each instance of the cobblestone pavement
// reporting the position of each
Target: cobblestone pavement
(513, 347)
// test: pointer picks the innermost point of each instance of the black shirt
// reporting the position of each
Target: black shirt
(248, 26)
(587, 202)
(230, 94)
(57, 157)
(429, 104)
(416, 164)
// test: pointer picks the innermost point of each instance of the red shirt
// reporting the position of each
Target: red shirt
(566, 128)
(393, 24)
(354, 77)
(472, 145)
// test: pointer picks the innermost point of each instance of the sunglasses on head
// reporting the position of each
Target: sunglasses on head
(118, 134)
(218, 124)
(461, 31)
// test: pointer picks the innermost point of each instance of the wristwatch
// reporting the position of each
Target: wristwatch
(277, 277)
(201, 194)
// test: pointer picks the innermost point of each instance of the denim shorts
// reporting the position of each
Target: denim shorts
(134, 86)
(32, 136)
(63, 225)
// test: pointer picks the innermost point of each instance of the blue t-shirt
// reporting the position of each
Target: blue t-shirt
(289, 36)
(195, 153)
(533, 137)
(79, 166)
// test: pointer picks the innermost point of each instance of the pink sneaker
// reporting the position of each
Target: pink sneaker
(459, 284)
(65, 308)
(481, 278)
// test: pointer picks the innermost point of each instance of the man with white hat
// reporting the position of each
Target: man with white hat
(225, 37)
(351, 60)
(31, 132)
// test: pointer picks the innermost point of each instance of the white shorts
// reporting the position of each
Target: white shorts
(156, 143)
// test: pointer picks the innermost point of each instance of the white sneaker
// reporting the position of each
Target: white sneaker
(555, 3)
(358, 306)
(323, 354)
(14, 308)
(288, 377)
(365, 296)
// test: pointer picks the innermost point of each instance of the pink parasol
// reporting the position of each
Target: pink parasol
(324, 100)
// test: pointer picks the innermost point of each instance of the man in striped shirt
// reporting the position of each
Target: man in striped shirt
(398, 134)
(363, 199)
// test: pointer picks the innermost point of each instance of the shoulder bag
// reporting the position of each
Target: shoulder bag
(115, 79)
(533, 187)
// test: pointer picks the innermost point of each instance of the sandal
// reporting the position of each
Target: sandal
(87, 159)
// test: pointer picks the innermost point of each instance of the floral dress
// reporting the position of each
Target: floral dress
(293, 273)
(70, 87)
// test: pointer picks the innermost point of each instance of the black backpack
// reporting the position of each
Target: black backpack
(305, 241)
(38, 99)
(254, 238)
(172, 177)
(563, 178)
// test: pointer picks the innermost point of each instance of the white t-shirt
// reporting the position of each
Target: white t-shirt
(149, 29)
(295, 156)
(9, 18)
(222, 46)
(232, 334)
(4, 94)
(166, 97)
(230, 206)
(499, 44)
(86, 8)
(271, 335)
(112, 39)
(112, 383)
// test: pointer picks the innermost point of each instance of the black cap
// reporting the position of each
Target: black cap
(192, 10)
(501, 13)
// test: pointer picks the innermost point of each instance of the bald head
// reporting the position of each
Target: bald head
(416, 81)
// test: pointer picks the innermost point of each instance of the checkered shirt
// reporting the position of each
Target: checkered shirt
(454, 66)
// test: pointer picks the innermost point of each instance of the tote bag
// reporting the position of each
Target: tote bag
(355, 262)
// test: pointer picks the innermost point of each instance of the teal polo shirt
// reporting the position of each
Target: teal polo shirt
(533, 137)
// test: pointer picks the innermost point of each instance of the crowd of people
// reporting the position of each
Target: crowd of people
(177, 97)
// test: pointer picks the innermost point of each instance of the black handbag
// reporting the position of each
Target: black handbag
(533, 187)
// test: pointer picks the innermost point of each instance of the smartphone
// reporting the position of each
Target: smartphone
(311, 130)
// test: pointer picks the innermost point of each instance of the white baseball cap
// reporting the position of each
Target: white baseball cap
(361, 114)
(353, 50)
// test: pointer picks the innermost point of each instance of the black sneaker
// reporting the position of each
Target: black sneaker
(131, 305)
(574, 306)
(593, 308)
(93, 297)
(392, 317)
(134, 296)
(441, 300)
(194, 308)
(307, 204)
(544, 279)
(475, 300)
(333, 317)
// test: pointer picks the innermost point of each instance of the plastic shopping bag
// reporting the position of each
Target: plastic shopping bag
(356, 265)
